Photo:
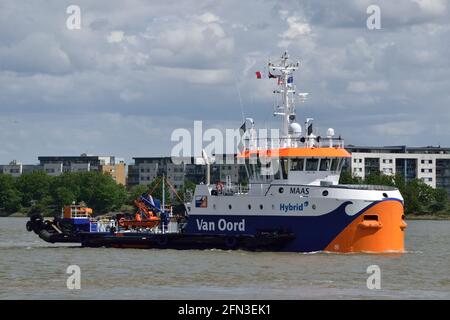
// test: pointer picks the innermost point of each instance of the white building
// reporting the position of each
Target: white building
(15, 168)
(430, 164)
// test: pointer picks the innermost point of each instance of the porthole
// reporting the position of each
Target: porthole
(249, 207)
(229, 206)
(261, 206)
(325, 193)
(281, 190)
(214, 206)
(273, 207)
(385, 195)
(314, 207)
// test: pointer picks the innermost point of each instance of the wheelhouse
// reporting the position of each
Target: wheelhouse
(314, 166)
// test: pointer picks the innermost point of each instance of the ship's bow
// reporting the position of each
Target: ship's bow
(379, 229)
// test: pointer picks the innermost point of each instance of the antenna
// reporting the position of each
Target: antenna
(289, 126)
(208, 171)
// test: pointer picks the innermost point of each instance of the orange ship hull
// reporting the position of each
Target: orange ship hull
(380, 229)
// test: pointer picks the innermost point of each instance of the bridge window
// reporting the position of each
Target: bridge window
(334, 164)
(297, 164)
(324, 164)
(341, 164)
(284, 168)
(312, 164)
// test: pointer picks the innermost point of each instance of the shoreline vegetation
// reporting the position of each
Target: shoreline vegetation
(38, 192)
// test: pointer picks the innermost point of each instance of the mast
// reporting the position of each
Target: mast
(163, 195)
(289, 128)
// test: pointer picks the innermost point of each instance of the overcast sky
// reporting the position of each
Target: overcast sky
(137, 70)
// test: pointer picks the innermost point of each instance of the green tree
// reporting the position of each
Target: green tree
(10, 197)
(63, 196)
(33, 186)
(136, 191)
(347, 178)
(101, 192)
(188, 187)
(440, 201)
(380, 179)
(155, 189)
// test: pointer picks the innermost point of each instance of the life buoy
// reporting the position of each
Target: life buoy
(219, 187)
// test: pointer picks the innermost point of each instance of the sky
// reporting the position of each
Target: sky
(137, 70)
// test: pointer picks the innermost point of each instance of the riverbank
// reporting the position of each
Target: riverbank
(427, 217)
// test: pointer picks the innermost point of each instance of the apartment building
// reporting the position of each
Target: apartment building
(55, 165)
(429, 164)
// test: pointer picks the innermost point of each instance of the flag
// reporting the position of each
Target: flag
(242, 129)
(258, 75)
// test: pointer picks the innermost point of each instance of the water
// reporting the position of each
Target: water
(33, 269)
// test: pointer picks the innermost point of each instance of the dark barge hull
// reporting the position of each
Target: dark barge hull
(186, 241)
(52, 232)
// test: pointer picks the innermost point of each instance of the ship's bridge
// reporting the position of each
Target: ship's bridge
(301, 165)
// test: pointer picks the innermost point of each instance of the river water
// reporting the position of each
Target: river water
(33, 269)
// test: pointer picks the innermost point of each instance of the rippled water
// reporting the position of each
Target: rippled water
(33, 269)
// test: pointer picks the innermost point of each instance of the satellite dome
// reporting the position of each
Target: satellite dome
(330, 132)
(295, 129)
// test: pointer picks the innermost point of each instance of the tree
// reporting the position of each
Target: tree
(63, 196)
(136, 191)
(33, 186)
(380, 179)
(347, 178)
(155, 189)
(101, 192)
(10, 197)
(440, 202)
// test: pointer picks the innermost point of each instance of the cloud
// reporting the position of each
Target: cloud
(37, 53)
(366, 87)
(138, 69)
(297, 28)
(115, 36)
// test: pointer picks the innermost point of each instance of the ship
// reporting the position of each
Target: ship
(293, 201)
